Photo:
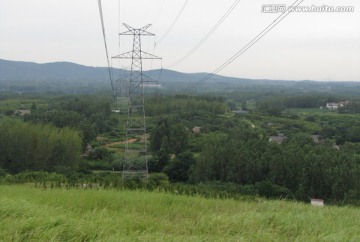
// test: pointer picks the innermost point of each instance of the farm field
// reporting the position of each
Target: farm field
(35, 214)
(21, 103)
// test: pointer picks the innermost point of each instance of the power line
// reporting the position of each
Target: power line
(248, 45)
(174, 22)
(212, 30)
(106, 49)
(121, 69)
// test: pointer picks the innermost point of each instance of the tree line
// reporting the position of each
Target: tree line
(185, 105)
(236, 152)
(89, 115)
(274, 105)
(26, 146)
(351, 107)
(302, 168)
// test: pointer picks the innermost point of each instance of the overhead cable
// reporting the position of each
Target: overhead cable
(174, 22)
(106, 49)
(248, 45)
(211, 31)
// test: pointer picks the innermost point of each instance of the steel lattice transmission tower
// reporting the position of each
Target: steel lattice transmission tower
(131, 89)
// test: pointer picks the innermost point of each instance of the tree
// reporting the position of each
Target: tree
(178, 168)
(272, 106)
(212, 163)
(33, 106)
(170, 137)
(159, 161)
(160, 136)
(178, 138)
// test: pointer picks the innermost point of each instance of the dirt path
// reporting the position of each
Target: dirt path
(120, 142)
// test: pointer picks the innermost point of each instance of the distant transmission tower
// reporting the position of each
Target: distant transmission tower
(130, 90)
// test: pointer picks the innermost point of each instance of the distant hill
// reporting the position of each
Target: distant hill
(54, 75)
(65, 71)
(71, 77)
(29, 71)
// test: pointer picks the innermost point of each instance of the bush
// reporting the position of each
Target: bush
(270, 190)
(101, 153)
(158, 180)
(96, 165)
(2, 173)
(34, 176)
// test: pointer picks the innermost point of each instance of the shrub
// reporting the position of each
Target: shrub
(270, 190)
(158, 180)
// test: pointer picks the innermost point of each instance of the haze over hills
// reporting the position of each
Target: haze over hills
(68, 71)
(67, 76)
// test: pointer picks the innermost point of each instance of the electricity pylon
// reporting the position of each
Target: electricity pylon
(131, 89)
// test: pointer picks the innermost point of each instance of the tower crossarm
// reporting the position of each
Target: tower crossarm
(144, 55)
(133, 31)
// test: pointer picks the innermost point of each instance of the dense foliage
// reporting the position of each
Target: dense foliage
(234, 150)
(303, 168)
(275, 104)
(351, 107)
(217, 143)
(185, 106)
(37, 147)
(89, 115)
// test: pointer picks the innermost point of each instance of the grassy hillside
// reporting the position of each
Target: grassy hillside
(33, 214)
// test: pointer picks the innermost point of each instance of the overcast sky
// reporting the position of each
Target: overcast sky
(313, 46)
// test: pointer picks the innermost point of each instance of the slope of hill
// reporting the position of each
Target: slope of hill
(67, 77)
(29, 71)
(33, 214)
(18, 70)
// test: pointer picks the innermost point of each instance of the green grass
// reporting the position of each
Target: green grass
(307, 111)
(106, 171)
(21, 103)
(117, 150)
(34, 214)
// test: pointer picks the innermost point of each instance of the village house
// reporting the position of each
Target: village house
(196, 130)
(278, 139)
(334, 106)
(316, 138)
(240, 111)
(21, 112)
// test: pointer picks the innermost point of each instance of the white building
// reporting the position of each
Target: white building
(335, 106)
